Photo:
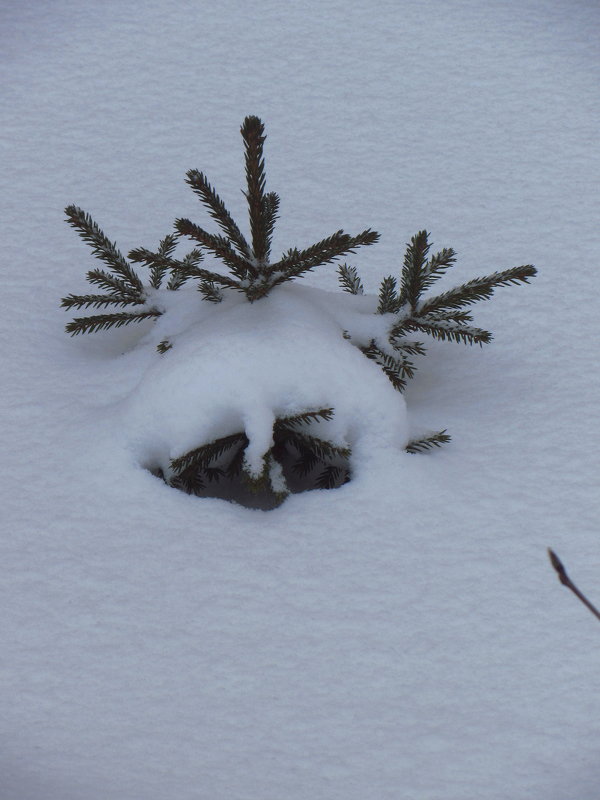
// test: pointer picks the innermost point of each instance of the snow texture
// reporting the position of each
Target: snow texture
(402, 636)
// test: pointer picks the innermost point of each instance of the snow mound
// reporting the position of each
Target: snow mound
(237, 366)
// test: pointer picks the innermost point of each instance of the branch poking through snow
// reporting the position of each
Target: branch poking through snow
(566, 581)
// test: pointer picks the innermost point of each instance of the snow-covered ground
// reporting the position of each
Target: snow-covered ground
(403, 636)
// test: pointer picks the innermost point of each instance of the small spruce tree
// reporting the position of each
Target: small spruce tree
(296, 455)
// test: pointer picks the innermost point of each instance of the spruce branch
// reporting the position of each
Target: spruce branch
(214, 474)
(408, 347)
(167, 245)
(447, 330)
(163, 346)
(412, 271)
(398, 370)
(236, 465)
(330, 477)
(165, 251)
(389, 302)
(457, 316)
(428, 442)
(216, 208)
(312, 451)
(186, 268)
(477, 289)
(113, 285)
(220, 247)
(270, 213)
(101, 322)
(141, 255)
(566, 581)
(97, 301)
(296, 262)
(193, 469)
(349, 279)
(189, 480)
(435, 267)
(159, 262)
(102, 247)
(304, 418)
(306, 463)
(210, 291)
(252, 131)
(322, 448)
(201, 457)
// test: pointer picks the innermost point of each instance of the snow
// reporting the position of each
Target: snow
(403, 635)
(242, 365)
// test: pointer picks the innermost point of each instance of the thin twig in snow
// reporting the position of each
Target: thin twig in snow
(566, 581)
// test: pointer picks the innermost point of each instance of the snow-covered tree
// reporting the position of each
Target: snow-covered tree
(262, 385)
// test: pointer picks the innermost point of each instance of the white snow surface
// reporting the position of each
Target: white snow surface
(402, 636)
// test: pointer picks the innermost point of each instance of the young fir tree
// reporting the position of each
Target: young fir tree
(249, 269)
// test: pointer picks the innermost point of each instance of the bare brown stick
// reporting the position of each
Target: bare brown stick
(566, 581)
